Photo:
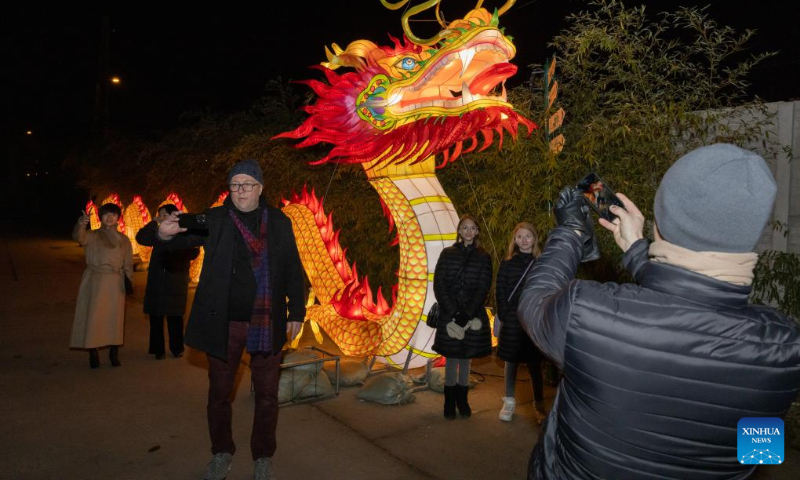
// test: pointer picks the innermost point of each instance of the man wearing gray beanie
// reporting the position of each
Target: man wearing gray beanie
(657, 375)
(250, 296)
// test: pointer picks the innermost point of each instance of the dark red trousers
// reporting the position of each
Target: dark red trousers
(265, 373)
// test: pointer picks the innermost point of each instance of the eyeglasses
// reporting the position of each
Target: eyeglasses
(245, 187)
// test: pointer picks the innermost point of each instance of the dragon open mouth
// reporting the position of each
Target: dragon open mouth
(473, 70)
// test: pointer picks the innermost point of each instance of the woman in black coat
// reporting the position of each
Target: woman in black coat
(167, 287)
(461, 284)
(515, 346)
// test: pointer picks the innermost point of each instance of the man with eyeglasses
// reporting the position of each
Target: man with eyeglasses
(251, 275)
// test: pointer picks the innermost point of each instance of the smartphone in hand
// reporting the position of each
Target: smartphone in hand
(599, 196)
(193, 221)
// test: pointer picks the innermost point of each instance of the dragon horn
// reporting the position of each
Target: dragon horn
(503, 9)
(413, 11)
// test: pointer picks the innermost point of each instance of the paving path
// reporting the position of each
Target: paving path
(146, 419)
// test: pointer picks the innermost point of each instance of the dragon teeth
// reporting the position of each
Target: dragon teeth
(466, 57)
(466, 94)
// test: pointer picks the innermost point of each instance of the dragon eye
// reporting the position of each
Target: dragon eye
(408, 63)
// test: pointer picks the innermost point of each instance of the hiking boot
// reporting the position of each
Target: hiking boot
(263, 469)
(219, 466)
(507, 412)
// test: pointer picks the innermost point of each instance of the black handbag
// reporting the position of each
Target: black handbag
(433, 315)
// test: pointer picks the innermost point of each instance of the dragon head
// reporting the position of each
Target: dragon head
(417, 98)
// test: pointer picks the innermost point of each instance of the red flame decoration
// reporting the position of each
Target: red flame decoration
(174, 199)
(91, 210)
(142, 209)
(356, 297)
(221, 198)
(332, 120)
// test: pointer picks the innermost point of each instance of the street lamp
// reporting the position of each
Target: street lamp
(116, 80)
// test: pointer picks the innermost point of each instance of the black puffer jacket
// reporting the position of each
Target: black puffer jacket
(167, 275)
(462, 297)
(515, 345)
(657, 375)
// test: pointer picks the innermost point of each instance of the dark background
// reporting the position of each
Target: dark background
(220, 60)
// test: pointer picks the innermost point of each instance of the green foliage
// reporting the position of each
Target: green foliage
(776, 281)
(638, 93)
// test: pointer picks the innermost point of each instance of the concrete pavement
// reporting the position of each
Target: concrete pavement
(146, 419)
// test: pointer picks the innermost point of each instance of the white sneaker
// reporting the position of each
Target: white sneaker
(507, 413)
(219, 466)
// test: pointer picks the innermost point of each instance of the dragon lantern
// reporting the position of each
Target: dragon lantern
(397, 109)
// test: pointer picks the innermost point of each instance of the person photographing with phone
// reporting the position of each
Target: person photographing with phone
(656, 375)
(167, 287)
(250, 296)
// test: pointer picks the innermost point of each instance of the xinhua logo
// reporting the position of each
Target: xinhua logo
(760, 441)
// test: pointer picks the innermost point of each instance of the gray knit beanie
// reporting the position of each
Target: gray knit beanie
(715, 199)
(248, 167)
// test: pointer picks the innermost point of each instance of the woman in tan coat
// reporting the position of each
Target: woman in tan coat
(100, 309)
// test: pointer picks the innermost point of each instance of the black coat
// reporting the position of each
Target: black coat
(167, 275)
(514, 344)
(207, 329)
(656, 375)
(462, 297)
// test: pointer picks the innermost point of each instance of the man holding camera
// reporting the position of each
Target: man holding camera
(251, 276)
(657, 375)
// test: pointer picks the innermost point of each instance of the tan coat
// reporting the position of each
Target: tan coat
(100, 309)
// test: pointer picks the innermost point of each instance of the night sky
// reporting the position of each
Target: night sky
(221, 60)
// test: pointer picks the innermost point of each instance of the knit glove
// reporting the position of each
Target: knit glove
(455, 331)
(572, 212)
(474, 324)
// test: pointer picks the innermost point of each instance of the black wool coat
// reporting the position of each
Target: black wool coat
(167, 276)
(207, 328)
(514, 344)
(656, 376)
(462, 297)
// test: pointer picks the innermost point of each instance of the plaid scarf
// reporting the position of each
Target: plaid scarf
(259, 336)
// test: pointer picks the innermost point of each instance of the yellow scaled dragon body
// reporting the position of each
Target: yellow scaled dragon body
(397, 109)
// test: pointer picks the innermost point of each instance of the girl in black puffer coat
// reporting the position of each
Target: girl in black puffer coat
(515, 346)
(461, 283)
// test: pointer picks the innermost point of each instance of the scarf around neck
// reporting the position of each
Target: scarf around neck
(259, 335)
(735, 268)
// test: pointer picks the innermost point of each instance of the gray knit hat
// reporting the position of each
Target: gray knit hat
(715, 199)
(248, 167)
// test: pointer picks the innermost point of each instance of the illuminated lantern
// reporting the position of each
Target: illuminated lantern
(94, 218)
(400, 107)
(137, 216)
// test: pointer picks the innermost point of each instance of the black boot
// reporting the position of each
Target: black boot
(94, 358)
(461, 401)
(113, 355)
(450, 402)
